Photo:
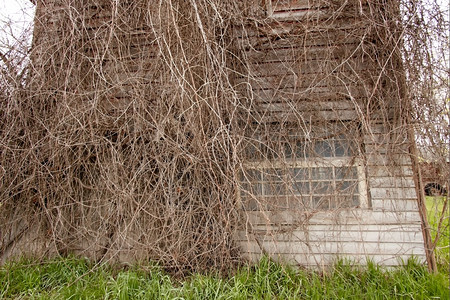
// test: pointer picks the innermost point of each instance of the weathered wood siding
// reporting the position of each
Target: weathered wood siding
(292, 69)
(300, 67)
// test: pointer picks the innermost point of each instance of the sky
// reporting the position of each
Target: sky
(20, 11)
(15, 17)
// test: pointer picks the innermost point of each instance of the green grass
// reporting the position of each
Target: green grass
(442, 251)
(72, 278)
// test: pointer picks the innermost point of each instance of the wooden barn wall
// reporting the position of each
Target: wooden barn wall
(310, 70)
(282, 69)
(120, 62)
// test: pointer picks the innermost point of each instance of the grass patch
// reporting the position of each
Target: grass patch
(73, 278)
(434, 210)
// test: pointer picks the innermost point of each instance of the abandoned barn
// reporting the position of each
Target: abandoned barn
(201, 133)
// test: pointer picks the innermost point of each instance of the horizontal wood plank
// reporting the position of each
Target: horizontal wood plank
(341, 248)
(322, 260)
(389, 171)
(391, 182)
(393, 193)
(330, 233)
(402, 204)
(353, 216)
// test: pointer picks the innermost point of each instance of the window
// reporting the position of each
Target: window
(289, 9)
(322, 173)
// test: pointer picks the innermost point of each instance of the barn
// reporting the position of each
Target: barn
(202, 133)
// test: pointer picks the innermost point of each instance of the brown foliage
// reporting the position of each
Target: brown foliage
(132, 134)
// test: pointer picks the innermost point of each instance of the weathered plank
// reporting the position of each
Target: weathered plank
(290, 95)
(306, 53)
(391, 182)
(110, 52)
(310, 93)
(326, 247)
(299, 68)
(377, 139)
(322, 260)
(387, 160)
(401, 204)
(269, 38)
(351, 216)
(280, 5)
(295, 106)
(388, 147)
(330, 233)
(266, 116)
(389, 171)
(297, 81)
(393, 193)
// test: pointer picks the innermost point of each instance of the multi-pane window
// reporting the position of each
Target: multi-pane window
(319, 174)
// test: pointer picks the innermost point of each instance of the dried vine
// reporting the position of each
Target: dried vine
(137, 129)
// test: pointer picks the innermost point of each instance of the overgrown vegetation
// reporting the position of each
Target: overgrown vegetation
(155, 130)
(436, 212)
(77, 279)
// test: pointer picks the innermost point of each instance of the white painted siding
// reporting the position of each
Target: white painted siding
(290, 78)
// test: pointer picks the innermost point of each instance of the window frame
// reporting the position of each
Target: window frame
(323, 145)
(309, 163)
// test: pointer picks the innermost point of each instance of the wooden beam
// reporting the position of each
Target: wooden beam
(429, 246)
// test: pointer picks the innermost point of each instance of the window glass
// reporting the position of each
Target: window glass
(321, 203)
(321, 173)
(300, 173)
(342, 147)
(323, 148)
(314, 172)
(301, 188)
(346, 173)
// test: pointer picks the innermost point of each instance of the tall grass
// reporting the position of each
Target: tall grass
(73, 278)
(434, 207)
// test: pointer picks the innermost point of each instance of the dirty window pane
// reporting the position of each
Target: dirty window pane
(300, 203)
(273, 175)
(304, 181)
(301, 150)
(322, 187)
(274, 189)
(251, 204)
(301, 188)
(347, 187)
(251, 175)
(323, 148)
(288, 151)
(252, 189)
(342, 148)
(300, 173)
(321, 173)
(321, 202)
(346, 173)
